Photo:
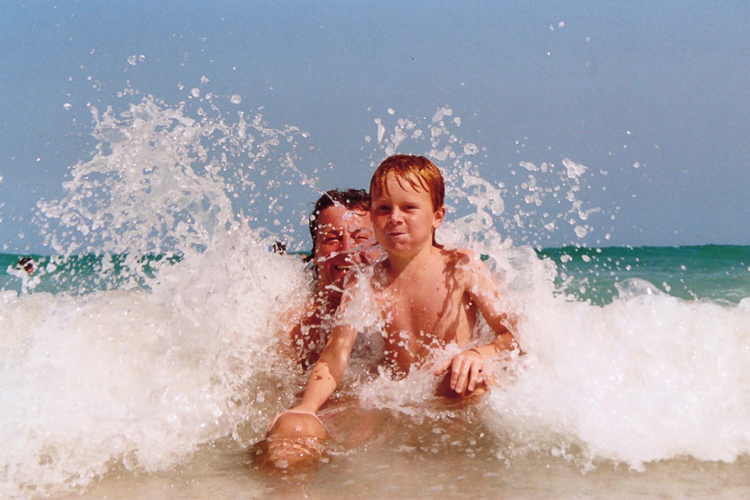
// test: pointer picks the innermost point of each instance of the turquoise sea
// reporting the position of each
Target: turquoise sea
(718, 273)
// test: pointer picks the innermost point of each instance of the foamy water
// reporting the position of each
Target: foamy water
(126, 392)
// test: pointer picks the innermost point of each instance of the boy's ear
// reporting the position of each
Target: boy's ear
(439, 216)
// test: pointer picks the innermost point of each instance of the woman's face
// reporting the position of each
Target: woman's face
(344, 238)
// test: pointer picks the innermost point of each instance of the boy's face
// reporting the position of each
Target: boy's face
(344, 238)
(403, 217)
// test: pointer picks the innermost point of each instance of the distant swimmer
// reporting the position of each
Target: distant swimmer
(27, 264)
(279, 247)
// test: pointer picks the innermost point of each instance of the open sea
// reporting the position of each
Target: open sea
(139, 358)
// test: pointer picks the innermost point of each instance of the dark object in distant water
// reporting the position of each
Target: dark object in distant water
(27, 264)
(279, 247)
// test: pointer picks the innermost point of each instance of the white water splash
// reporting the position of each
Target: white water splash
(142, 378)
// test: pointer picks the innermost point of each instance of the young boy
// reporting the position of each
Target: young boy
(429, 296)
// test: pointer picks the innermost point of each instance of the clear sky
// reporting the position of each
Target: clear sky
(654, 93)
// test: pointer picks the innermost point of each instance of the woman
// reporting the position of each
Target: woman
(342, 237)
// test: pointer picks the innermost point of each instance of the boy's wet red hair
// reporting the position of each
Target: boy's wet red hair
(419, 172)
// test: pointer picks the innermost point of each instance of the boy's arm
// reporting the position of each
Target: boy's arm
(485, 294)
(467, 367)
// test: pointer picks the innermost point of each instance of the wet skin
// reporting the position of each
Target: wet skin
(344, 239)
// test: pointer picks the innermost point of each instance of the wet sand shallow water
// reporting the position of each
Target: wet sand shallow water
(462, 468)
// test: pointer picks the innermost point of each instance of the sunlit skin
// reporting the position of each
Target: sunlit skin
(404, 221)
(429, 295)
(344, 238)
(426, 291)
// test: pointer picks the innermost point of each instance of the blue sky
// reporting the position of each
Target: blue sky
(656, 94)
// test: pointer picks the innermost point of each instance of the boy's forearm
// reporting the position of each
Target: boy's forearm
(502, 342)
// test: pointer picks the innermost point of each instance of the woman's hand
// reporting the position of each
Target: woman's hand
(297, 410)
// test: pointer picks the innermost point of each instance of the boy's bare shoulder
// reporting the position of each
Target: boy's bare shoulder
(463, 265)
(461, 257)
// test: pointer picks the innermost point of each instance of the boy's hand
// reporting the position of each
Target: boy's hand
(466, 371)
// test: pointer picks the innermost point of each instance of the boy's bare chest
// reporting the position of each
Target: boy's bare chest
(436, 309)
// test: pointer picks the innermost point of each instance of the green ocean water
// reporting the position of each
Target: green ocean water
(715, 272)
(78, 274)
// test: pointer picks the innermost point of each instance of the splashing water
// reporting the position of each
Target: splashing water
(146, 374)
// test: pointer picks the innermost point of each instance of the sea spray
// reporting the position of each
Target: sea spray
(174, 359)
(643, 377)
(161, 181)
(648, 377)
(184, 351)
(543, 201)
(140, 379)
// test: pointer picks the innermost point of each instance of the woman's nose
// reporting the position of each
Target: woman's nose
(347, 243)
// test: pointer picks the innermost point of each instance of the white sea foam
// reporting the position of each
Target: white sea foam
(648, 377)
(142, 377)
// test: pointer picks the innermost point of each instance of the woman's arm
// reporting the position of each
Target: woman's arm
(328, 371)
